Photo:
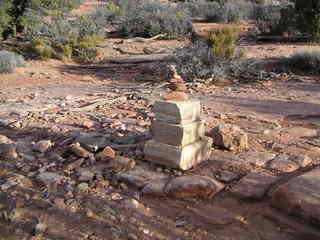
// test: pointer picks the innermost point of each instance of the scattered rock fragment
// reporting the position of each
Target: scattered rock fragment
(230, 137)
(121, 163)
(253, 186)
(40, 229)
(75, 165)
(83, 187)
(87, 124)
(85, 175)
(79, 151)
(8, 152)
(259, 159)
(193, 186)
(5, 140)
(49, 178)
(106, 155)
(42, 146)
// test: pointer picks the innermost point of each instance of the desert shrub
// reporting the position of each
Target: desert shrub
(86, 49)
(303, 62)
(17, 9)
(215, 59)
(87, 26)
(9, 61)
(219, 11)
(201, 8)
(41, 49)
(222, 41)
(107, 15)
(147, 19)
(235, 11)
(197, 62)
(275, 19)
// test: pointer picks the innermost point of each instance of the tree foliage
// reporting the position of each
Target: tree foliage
(12, 12)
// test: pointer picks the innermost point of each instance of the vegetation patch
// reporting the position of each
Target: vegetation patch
(150, 18)
(9, 61)
(303, 62)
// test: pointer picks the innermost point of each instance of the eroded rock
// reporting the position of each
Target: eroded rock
(193, 186)
(230, 137)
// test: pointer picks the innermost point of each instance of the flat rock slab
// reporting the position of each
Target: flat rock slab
(177, 112)
(259, 159)
(177, 134)
(178, 157)
(253, 186)
(300, 197)
(286, 163)
(193, 186)
(283, 163)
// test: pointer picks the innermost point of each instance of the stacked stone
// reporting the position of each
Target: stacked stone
(178, 87)
(178, 135)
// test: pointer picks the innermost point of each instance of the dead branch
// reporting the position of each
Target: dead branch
(140, 39)
(142, 59)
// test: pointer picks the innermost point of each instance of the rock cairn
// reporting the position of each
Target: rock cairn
(177, 85)
(178, 132)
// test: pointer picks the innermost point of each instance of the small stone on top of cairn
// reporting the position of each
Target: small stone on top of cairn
(178, 87)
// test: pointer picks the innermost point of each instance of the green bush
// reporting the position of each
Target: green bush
(222, 41)
(14, 11)
(86, 49)
(9, 61)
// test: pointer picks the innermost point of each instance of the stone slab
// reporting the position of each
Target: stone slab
(300, 196)
(253, 186)
(178, 157)
(177, 134)
(259, 159)
(177, 112)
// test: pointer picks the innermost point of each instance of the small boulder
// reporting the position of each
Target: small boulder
(106, 155)
(193, 186)
(79, 151)
(230, 137)
(8, 152)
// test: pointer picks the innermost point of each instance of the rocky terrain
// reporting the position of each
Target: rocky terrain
(72, 162)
